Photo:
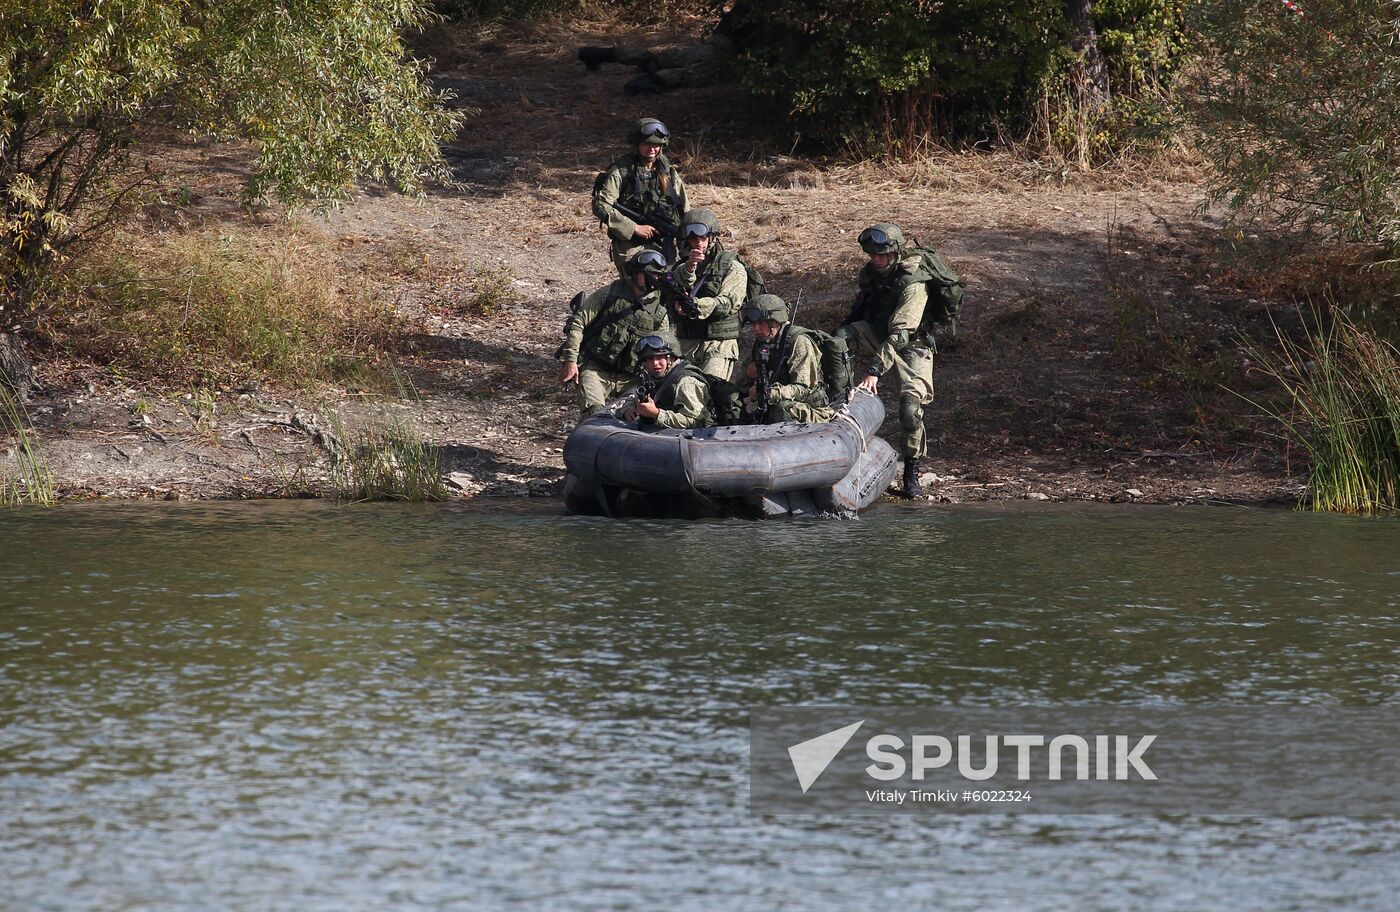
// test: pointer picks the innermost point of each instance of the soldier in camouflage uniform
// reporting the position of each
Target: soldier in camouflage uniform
(682, 395)
(601, 333)
(713, 59)
(718, 282)
(797, 390)
(644, 182)
(884, 325)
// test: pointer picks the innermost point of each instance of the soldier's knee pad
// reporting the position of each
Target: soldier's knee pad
(911, 412)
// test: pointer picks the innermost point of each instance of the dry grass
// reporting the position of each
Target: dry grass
(211, 306)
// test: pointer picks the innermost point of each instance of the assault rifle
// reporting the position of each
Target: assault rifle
(762, 355)
(769, 356)
(646, 389)
(670, 232)
(681, 298)
(858, 308)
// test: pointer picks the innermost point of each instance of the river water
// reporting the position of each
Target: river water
(311, 706)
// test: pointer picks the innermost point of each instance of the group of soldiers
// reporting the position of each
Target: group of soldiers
(670, 323)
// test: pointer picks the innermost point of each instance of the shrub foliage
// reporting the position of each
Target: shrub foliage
(322, 87)
(1300, 111)
(853, 73)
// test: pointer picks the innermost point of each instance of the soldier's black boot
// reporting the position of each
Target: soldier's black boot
(645, 84)
(594, 57)
(912, 488)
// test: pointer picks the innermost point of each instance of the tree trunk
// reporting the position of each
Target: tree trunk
(1085, 41)
(16, 371)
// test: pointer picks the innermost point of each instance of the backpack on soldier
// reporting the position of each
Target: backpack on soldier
(757, 285)
(836, 362)
(727, 398)
(945, 291)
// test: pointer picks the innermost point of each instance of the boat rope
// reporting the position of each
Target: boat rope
(860, 431)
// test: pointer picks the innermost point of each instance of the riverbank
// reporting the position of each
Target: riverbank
(1100, 323)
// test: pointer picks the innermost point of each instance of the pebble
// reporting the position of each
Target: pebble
(1134, 492)
(1036, 495)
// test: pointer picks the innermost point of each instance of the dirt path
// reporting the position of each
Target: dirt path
(1067, 382)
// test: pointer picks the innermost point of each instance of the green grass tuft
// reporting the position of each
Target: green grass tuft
(1342, 385)
(385, 460)
(24, 476)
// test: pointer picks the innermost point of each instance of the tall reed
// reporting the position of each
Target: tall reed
(385, 460)
(1343, 387)
(29, 481)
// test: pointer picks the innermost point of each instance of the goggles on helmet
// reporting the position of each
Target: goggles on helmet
(650, 346)
(751, 313)
(874, 236)
(649, 259)
(656, 129)
(696, 229)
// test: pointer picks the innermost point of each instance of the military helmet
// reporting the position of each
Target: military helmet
(661, 343)
(884, 237)
(650, 130)
(765, 307)
(699, 223)
(644, 259)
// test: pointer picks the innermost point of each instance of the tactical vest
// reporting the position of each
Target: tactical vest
(610, 339)
(717, 328)
(885, 292)
(816, 396)
(641, 189)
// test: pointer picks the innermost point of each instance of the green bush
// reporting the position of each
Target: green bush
(869, 73)
(1301, 113)
(323, 89)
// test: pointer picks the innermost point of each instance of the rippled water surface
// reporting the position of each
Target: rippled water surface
(309, 706)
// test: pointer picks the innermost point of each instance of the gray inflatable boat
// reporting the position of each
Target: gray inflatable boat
(837, 467)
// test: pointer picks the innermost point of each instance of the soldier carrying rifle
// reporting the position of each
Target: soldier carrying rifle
(641, 197)
(704, 294)
(787, 370)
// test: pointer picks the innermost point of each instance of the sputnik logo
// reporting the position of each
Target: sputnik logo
(811, 758)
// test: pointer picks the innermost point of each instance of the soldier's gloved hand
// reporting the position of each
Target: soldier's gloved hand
(568, 373)
(645, 232)
(646, 409)
(869, 383)
(693, 259)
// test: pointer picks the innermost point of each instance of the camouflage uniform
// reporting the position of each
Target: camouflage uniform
(891, 311)
(707, 62)
(658, 192)
(799, 391)
(684, 398)
(710, 337)
(713, 59)
(600, 337)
